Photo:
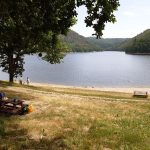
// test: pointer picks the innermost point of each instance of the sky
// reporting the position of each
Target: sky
(133, 17)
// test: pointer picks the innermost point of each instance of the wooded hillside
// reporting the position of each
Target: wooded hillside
(107, 44)
(79, 43)
(139, 44)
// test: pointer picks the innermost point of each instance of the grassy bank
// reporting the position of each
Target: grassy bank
(70, 118)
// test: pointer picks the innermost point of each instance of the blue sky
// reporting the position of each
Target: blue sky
(133, 17)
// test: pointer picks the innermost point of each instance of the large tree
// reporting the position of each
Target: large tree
(33, 26)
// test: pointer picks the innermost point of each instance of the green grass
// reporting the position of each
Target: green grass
(76, 119)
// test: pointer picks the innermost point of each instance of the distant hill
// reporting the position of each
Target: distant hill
(79, 43)
(108, 44)
(140, 44)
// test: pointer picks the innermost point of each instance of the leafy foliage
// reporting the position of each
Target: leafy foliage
(33, 26)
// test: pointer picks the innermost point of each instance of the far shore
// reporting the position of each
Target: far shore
(137, 53)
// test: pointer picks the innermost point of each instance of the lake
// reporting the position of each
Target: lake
(97, 69)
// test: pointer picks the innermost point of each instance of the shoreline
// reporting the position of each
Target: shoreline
(109, 89)
(92, 88)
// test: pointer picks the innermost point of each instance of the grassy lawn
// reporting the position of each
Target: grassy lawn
(67, 118)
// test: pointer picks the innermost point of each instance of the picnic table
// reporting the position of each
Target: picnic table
(11, 106)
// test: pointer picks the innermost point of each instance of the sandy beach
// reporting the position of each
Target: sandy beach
(110, 89)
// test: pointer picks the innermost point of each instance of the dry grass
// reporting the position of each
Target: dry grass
(67, 118)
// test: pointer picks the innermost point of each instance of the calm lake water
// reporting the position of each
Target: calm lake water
(98, 69)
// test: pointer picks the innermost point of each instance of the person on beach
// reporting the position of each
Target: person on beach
(21, 81)
(28, 81)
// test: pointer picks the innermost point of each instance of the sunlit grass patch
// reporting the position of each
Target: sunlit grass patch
(76, 120)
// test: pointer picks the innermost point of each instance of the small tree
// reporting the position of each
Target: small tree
(33, 26)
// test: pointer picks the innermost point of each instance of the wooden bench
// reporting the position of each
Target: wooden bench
(140, 94)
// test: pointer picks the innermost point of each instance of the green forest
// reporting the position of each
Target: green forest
(107, 44)
(139, 44)
(79, 43)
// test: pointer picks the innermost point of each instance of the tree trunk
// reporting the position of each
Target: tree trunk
(11, 77)
(11, 69)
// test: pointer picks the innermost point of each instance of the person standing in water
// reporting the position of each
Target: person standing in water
(28, 81)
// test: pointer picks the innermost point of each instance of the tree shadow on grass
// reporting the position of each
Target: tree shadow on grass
(12, 136)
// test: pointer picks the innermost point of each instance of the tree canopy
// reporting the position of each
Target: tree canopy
(33, 26)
